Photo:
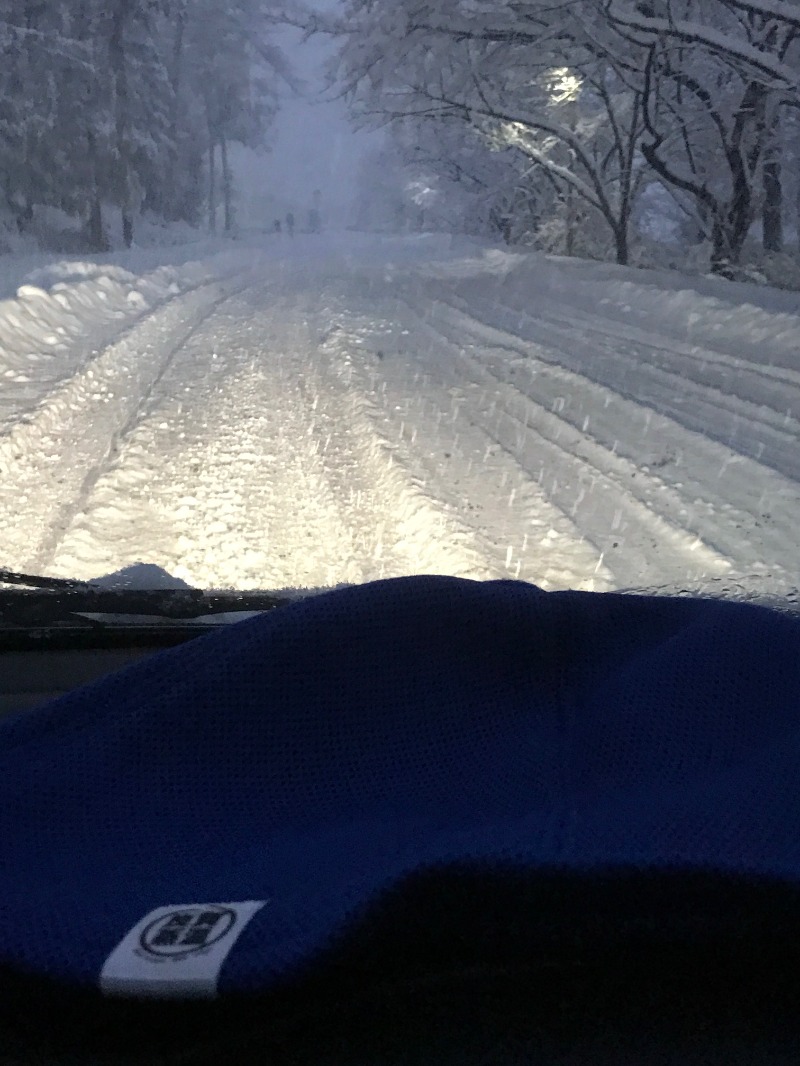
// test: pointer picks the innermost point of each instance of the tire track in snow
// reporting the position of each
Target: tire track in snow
(413, 532)
(768, 431)
(586, 480)
(255, 467)
(51, 325)
(215, 483)
(66, 441)
(742, 509)
(517, 531)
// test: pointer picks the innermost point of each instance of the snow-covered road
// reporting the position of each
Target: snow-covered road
(338, 410)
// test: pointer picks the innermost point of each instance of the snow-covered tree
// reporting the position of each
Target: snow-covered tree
(40, 51)
(444, 175)
(123, 102)
(716, 78)
(602, 97)
(527, 76)
(237, 74)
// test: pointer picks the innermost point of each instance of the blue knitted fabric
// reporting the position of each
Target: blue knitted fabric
(311, 759)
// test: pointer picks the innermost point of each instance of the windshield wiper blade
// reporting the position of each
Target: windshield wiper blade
(35, 581)
(84, 606)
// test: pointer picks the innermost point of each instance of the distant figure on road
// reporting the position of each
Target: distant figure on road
(290, 224)
(315, 215)
(277, 225)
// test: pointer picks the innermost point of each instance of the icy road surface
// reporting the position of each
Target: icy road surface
(347, 408)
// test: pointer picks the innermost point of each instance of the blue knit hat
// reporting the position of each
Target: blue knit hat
(416, 756)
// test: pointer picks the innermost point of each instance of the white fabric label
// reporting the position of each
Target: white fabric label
(176, 951)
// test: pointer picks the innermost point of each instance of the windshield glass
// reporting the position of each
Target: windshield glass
(301, 295)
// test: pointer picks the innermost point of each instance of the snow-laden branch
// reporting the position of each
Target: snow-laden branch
(51, 43)
(518, 133)
(696, 33)
(771, 9)
(538, 155)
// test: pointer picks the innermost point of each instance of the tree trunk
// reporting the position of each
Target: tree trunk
(705, 225)
(719, 256)
(772, 213)
(97, 233)
(127, 227)
(119, 64)
(730, 232)
(741, 220)
(724, 257)
(569, 248)
(502, 223)
(621, 241)
(212, 186)
(627, 187)
(25, 216)
(169, 195)
(227, 184)
(743, 165)
(97, 236)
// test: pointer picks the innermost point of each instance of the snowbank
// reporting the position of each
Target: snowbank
(64, 311)
(711, 312)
